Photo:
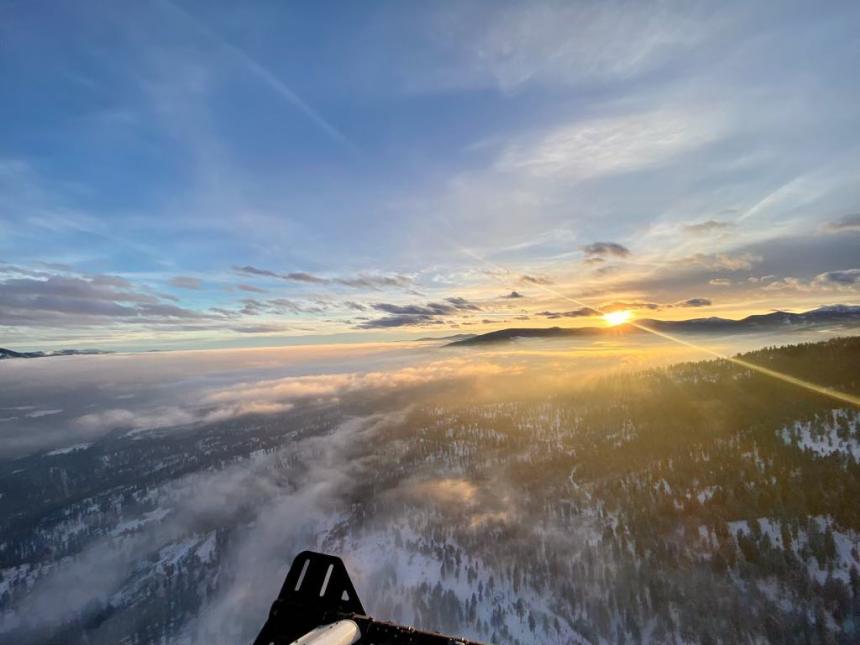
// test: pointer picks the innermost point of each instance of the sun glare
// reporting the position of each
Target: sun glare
(617, 317)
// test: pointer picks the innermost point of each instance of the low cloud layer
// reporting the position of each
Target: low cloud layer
(96, 395)
(284, 520)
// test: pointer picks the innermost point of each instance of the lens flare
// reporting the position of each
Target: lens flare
(614, 318)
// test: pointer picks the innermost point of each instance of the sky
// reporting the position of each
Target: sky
(178, 174)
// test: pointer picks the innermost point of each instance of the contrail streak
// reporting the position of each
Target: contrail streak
(265, 75)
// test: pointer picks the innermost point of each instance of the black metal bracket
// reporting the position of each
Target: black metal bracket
(317, 592)
(321, 580)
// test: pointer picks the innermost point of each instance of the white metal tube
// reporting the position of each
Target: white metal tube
(343, 632)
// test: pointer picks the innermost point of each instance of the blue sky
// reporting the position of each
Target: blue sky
(195, 174)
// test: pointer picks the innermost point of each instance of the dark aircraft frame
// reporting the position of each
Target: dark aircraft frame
(318, 605)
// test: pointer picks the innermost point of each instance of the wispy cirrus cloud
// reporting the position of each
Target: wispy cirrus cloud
(186, 282)
(620, 305)
(534, 279)
(845, 281)
(251, 288)
(843, 278)
(694, 302)
(575, 313)
(707, 227)
(601, 249)
(260, 329)
(354, 306)
(511, 47)
(63, 300)
(303, 276)
(254, 271)
(360, 281)
(609, 145)
(848, 224)
(742, 261)
(417, 315)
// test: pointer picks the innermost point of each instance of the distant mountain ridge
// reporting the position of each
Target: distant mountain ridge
(845, 315)
(451, 339)
(9, 353)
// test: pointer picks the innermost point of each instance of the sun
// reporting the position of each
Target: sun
(617, 317)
